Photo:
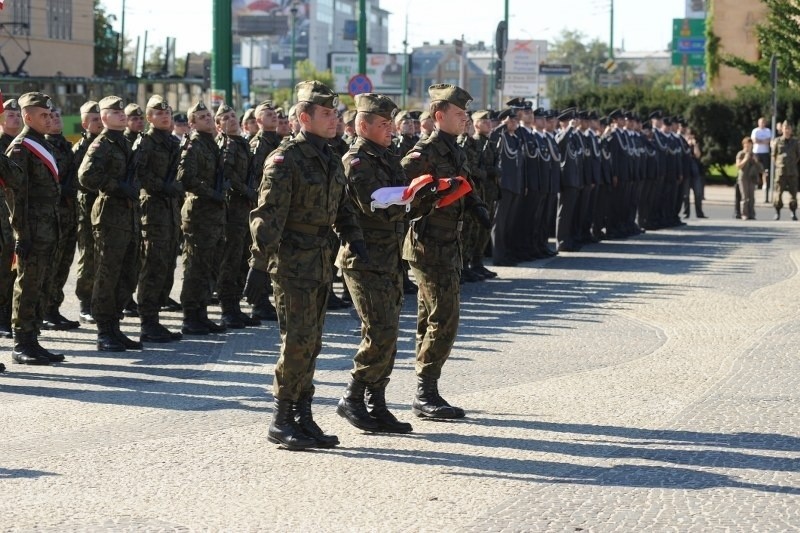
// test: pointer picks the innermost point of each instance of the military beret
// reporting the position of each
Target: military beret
(425, 115)
(266, 104)
(35, 100)
(657, 114)
(199, 106)
(376, 104)
(180, 118)
(155, 102)
(111, 102)
(133, 110)
(222, 109)
(516, 102)
(249, 114)
(11, 104)
(316, 92)
(349, 116)
(403, 115)
(90, 107)
(292, 112)
(480, 115)
(614, 115)
(445, 92)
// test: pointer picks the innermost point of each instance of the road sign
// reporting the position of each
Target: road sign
(688, 42)
(609, 80)
(546, 69)
(359, 84)
(522, 67)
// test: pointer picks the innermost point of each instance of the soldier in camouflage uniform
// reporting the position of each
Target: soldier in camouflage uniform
(157, 156)
(34, 218)
(249, 124)
(349, 118)
(241, 199)
(786, 153)
(405, 139)
(84, 282)
(108, 169)
(433, 247)
(261, 146)
(377, 284)
(68, 225)
(10, 171)
(12, 125)
(469, 232)
(302, 195)
(486, 172)
(202, 218)
(134, 123)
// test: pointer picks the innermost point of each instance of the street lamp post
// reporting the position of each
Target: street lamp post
(294, 42)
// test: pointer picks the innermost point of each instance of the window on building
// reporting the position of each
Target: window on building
(59, 19)
(451, 65)
(21, 12)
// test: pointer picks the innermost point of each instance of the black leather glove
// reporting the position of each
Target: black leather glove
(218, 196)
(255, 285)
(22, 249)
(426, 191)
(449, 190)
(481, 214)
(360, 249)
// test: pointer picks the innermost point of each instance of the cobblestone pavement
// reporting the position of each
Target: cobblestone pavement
(640, 385)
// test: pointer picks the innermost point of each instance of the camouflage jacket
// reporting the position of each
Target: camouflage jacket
(238, 174)
(67, 171)
(302, 195)
(260, 147)
(102, 170)
(197, 171)
(157, 154)
(786, 153)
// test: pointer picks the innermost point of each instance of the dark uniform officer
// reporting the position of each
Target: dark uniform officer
(201, 172)
(84, 281)
(376, 285)
(12, 125)
(157, 156)
(433, 248)
(302, 195)
(109, 169)
(34, 218)
(68, 226)
(570, 144)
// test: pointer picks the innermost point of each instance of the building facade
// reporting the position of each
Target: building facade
(734, 22)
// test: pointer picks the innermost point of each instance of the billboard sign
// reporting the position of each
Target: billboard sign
(385, 71)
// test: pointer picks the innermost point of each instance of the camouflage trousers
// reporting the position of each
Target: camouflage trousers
(301, 306)
(159, 243)
(65, 253)
(236, 251)
(115, 252)
(378, 299)
(84, 282)
(200, 253)
(33, 273)
(785, 184)
(437, 317)
(490, 196)
(7, 274)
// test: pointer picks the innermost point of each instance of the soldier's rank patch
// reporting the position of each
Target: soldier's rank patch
(277, 159)
(355, 162)
(414, 155)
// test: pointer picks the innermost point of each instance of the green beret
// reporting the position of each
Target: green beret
(349, 116)
(155, 102)
(11, 104)
(133, 110)
(90, 107)
(35, 100)
(479, 115)
(221, 110)
(316, 92)
(266, 104)
(199, 106)
(376, 104)
(402, 115)
(111, 102)
(445, 92)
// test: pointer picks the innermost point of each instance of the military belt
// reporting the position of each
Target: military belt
(446, 224)
(308, 229)
(394, 227)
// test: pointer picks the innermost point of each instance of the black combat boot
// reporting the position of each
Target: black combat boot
(5, 323)
(230, 316)
(53, 320)
(264, 310)
(107, 341)
(131, 309)
(153, 331)
(794, 215)
(26, 351)
(376, 407)
(305, 420)
(777, 214)
(285, 431)
(192, 325)
(247, 320)
(52, 357)
(212, 326)
(428, 403)
(351, 406)
(478, 266)
(127, 342)
(334, 302)
(85, 315)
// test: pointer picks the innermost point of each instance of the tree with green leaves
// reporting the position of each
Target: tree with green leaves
(106, 42)
(778, 34)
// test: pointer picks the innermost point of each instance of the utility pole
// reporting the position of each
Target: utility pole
(221, 66)
(404, 96)
(144, 54)
(294, 45)
(122, 42)
(611, 33)
(461, 54)
(362, 37)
